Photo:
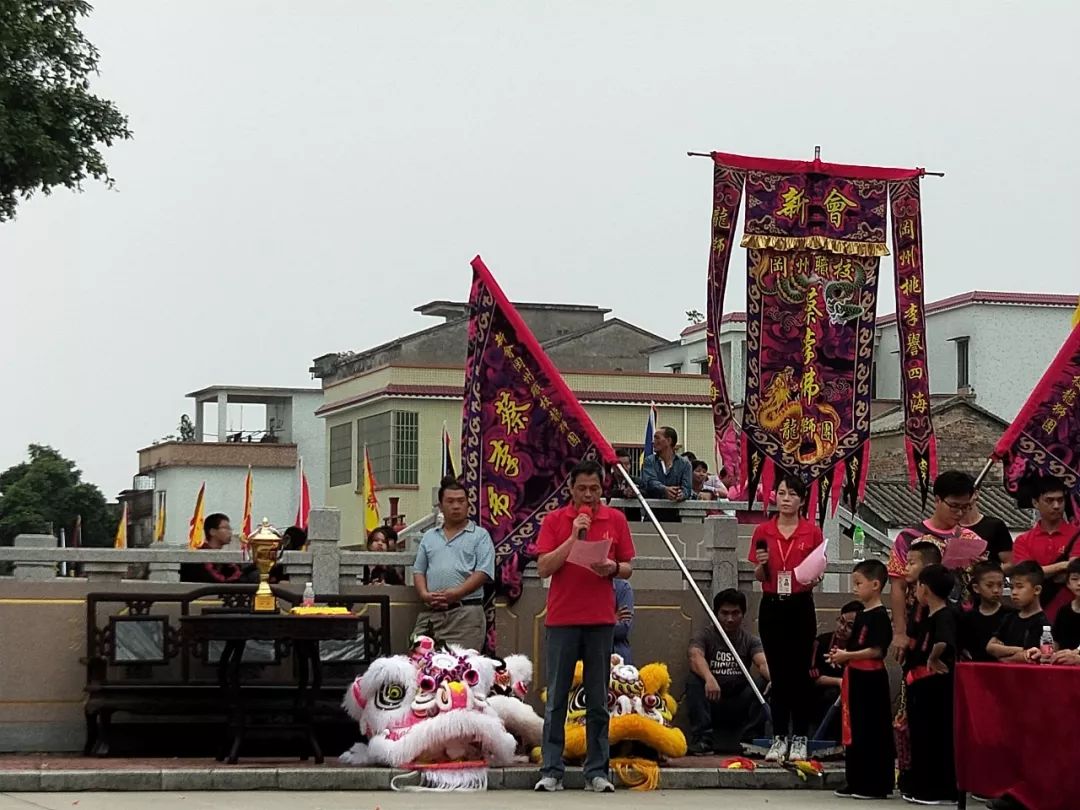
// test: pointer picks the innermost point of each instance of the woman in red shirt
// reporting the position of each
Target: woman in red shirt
(787, 622)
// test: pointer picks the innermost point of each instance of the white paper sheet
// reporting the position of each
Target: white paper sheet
(587, 552)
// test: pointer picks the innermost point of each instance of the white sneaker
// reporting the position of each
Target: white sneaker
(548, 784)
(599, 784)
(799, 746)
(779, 750)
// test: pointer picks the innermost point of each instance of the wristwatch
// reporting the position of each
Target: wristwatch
(615, 574)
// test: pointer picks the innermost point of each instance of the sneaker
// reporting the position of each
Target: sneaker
(866, 798)
(548, 784)
(799, 746)
(599, 784)
(779, 750)
(933, 802)
(843, 793)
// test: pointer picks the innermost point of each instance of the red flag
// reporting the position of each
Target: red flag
(1044, 439)
(524, 430)
(245, 524)
(304, 507)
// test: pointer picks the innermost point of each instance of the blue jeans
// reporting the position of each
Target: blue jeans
(590, 644)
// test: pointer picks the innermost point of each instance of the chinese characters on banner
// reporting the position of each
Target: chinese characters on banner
(814, 235)
(1044, 439)
(911, 329)
(727, 191)
(523, 430)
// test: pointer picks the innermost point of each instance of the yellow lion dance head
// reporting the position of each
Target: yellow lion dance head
(640, 732)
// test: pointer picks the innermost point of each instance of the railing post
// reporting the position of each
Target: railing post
(35, 570)
(105, 571)
(721, 541)
(164, 572)
(324, 531)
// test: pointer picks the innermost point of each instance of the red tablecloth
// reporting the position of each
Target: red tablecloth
(1016, 733)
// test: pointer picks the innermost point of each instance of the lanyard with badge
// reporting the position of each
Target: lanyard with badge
(783, 576)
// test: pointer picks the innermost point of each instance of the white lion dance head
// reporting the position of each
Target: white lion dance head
(429, 711)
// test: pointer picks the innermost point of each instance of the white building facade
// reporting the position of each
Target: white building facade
(289, 432)
(994, 345)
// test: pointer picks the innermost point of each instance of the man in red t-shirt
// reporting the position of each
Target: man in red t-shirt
(1050, 543)
(581, 620)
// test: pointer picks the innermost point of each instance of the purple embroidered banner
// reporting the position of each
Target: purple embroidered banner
(1044, 439)
(810, 345)
(919, 441)
(523, 430)
(814, 233)
(727, 192)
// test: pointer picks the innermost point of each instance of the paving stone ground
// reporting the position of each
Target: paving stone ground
(353, 800)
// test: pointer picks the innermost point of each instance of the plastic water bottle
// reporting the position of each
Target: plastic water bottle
(1046, 645)
(858, 543)
(309, 595)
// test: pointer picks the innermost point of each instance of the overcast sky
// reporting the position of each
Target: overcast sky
(303, 174)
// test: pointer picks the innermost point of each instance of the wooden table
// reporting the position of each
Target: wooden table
(303, 632)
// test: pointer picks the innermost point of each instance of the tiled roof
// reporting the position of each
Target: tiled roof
(990, 297)
(893, 421)
(896, 505)
(731, 317)
(457, 392)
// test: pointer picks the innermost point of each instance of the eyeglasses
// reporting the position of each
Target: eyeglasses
(958, 507)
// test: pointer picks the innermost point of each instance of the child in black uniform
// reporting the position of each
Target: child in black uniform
(1018, 637)
(867, 709)
(978, 625)
(932, 777)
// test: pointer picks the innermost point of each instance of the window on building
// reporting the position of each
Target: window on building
(393, 445)
(873, 379)
(963, 379)
(341, 454)
(703, 366)
(676, 368)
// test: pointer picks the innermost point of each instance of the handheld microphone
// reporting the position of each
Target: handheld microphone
(761, 545)
(583, 511)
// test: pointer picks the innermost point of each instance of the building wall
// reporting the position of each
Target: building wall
(613, 348)
(275, 496)
(1010, 347)
(965, 439)
(309, 434)
(621, 423)
(691, 350)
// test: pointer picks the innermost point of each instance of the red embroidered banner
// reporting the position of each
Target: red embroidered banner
(1044, 439)
(919, 438)
(814, 233)
(523, 430)
(727, 192)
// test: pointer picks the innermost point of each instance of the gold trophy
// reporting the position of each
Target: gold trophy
(265, 544)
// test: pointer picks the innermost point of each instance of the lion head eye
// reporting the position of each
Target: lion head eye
(390, 696)
(577, 700)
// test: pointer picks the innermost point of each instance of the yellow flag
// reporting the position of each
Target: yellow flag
(1076, 315)
(371, 503)
(121, 530)
(159, 525)
(195, 537)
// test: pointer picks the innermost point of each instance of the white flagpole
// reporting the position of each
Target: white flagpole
(690, 581)
(63, 544)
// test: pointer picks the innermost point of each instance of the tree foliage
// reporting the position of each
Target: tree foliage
(47, 493)
(51, 126)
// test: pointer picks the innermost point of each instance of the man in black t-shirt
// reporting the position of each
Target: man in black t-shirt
(723, 709)
(826, 676)
(999, 540)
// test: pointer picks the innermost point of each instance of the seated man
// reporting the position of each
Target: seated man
(217, 533)
(722, 707)
(827, 677)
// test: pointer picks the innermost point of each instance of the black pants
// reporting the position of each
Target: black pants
(870, 757)
(722, 724)
(930, 723)
(788, 627)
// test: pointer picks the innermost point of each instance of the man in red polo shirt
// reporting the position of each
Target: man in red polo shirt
(1050, 543)
(580, 620)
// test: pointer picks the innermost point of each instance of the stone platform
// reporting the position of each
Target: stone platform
(70, 773)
